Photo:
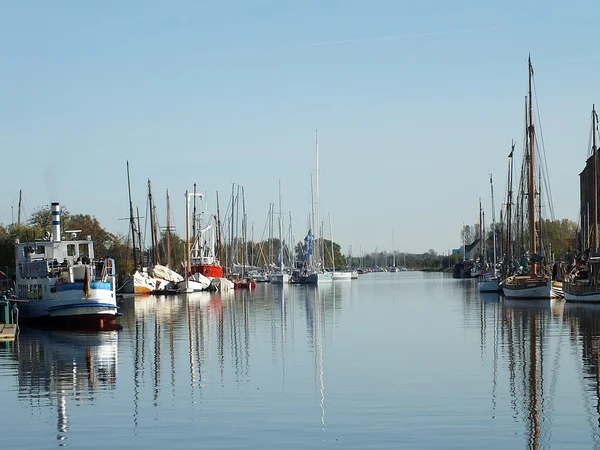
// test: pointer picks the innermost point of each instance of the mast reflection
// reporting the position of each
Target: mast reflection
(584, 326)
(523, 332)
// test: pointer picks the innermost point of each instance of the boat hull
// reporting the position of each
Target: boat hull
(208, 270)
(489, 285)
(581, 294)
(72, 305)
(341, 276)
(526, 288)
(320, 277)
(280, 278)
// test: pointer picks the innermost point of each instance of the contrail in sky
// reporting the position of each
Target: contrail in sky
(403, 36)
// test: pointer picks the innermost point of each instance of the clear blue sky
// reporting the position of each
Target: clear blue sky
(415, 102)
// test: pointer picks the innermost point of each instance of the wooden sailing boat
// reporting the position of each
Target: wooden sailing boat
(583, 284)
(537, 284)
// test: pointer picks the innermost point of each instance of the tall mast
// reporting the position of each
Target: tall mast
(152, 226)
(280, 262)
(493, 226)
(317, 206)
(188, 262)
(312, 258)
(131, 219)
(531, 187)
(194, 237)
(393, 247)
(219, 242)
(139, 236)
(331, 236)
(594, 150)
(480, 230)
(244, 227)
(168, 230)
(21, 202)
(509, 237)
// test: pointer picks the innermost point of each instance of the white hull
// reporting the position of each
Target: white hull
(71, 303)
(339, 276)
(280, 278)
(320, 277)
(489, 285)
(522, 292)
(354, 274)
(201, 283)
(143, 283)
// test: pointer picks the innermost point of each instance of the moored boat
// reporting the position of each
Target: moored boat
(62, 281)
(534, 282)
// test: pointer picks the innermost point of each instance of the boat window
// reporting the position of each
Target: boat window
(70, 249)
(83, 250)
(40, 249)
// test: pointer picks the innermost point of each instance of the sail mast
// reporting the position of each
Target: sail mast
(317, 205)
(594, 150)
(493, 226)
(152, 227)
(168, 230)
(194, 237)
(219, 242)
(188, 262)
(531, 186)
(131, 219)
(21, 201)
(509, 237)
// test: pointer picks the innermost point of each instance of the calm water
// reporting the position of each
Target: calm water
(405, 360)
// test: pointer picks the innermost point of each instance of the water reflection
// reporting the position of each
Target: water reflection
(583, 323)
(524, 326)
(61, 368)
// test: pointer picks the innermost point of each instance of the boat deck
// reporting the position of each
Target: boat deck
(7, 332)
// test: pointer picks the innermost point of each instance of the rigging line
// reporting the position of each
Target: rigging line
(545, 165)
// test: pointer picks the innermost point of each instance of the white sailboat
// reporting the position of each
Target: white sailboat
(318, 274)
(490, 282)
(192, 282)
(280, 276)
(394, 268)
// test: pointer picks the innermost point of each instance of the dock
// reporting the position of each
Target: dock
(7, 332)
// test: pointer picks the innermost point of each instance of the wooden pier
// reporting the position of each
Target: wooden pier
(7, 332)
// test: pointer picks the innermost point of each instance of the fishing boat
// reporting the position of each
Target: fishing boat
(535, 283)
(204, 259)
(490, 281)
(583, 283)
(62, 281)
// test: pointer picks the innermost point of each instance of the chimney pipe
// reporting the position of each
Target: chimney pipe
(55, 222)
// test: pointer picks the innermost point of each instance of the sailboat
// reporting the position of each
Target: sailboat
(318, 273)
(141, 282)
(537, 284)
(394, 268)
(583, 284)
(280, 276)
(192, 282)
(490, 281)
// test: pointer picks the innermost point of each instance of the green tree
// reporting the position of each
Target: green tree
(561, 235)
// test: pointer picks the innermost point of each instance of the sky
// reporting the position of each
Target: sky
(416, 103)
